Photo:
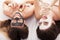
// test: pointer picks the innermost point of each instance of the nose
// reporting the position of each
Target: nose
(16, 18)
(16, 15)
(44, 17)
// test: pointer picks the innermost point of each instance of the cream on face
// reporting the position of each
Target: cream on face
(45, 22)
(17, 20)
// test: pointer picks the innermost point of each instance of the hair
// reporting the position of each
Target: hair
(14, 33)
(49, 34)
(58, 25)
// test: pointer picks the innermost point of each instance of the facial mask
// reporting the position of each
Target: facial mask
(16, 22)
(45, 23)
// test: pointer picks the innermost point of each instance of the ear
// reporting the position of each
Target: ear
(5, 23)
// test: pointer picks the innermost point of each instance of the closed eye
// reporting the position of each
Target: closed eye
(45, 23)
(40, 23)
(20, 20)
(13, 21)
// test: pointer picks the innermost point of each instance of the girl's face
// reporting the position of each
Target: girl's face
(17, 20)
(45, 22)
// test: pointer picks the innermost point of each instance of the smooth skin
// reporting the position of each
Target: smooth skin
(13, 7)
(54, 10)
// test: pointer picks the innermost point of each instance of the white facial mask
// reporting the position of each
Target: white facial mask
(45, 23)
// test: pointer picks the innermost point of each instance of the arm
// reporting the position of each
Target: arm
(9, 7)
(28, 12)
(6, 9)
(55, 10)
(27, 9)
(53, 3)
(37, 9)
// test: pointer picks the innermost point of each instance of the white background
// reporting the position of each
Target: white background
(31, 23)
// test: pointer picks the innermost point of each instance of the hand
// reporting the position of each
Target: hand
(14, 6)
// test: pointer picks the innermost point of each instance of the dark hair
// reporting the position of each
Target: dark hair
(49, 34)
(58, 25)
(5, 23)
(17, 34)
(14, 33)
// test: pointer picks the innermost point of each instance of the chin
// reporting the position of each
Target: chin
(49, 34)
(8, 33)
